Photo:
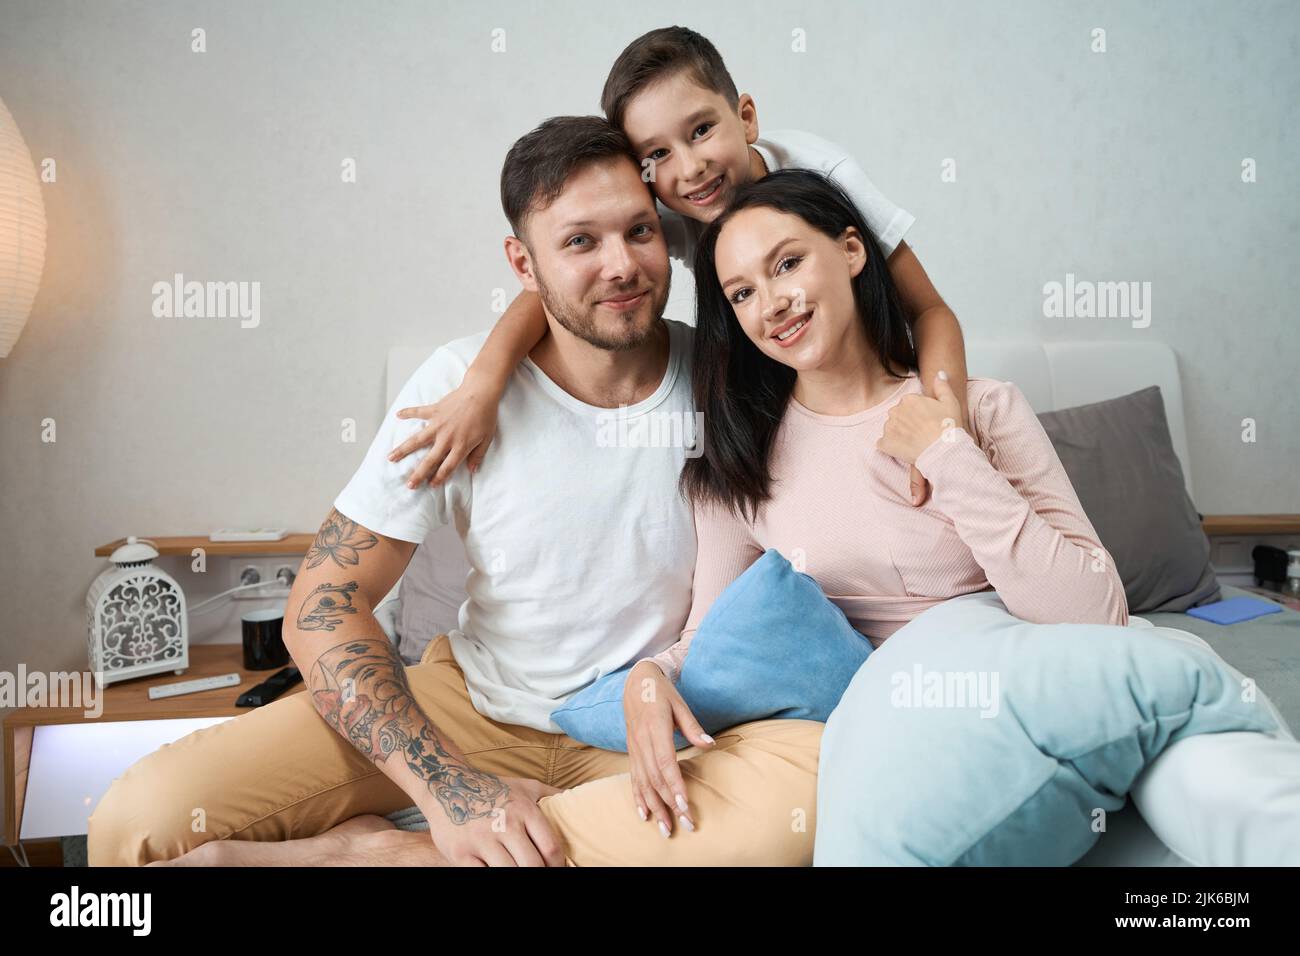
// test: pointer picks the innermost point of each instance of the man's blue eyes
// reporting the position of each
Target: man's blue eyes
(638, 232)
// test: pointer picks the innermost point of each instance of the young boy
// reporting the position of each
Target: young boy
(698, 140)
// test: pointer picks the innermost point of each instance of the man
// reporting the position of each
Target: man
(581, 557)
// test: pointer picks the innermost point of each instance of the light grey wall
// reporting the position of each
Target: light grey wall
(225, 165)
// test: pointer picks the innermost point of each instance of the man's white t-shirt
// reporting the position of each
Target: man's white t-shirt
(790, 149)
(580, 547)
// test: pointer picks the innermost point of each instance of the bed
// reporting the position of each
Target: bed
(1053, 376)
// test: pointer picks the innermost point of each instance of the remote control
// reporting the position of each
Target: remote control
(269, 689)
(248, 534)
(193, 686)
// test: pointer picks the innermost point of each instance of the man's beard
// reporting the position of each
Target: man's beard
(581, 320)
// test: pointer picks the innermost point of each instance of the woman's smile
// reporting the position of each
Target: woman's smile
(792, 330)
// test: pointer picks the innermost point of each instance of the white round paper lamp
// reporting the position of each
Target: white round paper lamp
(22, 232)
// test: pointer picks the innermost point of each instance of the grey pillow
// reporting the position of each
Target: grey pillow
(1121, 461)
(432, 591)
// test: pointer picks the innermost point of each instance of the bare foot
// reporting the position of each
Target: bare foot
(335, 847)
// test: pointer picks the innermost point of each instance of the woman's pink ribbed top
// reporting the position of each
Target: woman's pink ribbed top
(1001, 513)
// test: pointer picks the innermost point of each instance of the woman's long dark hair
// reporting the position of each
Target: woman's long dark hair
(743, 393)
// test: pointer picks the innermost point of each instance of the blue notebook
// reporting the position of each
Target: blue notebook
(1234, 609)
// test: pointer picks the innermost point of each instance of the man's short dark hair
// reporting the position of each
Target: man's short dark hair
(541, 162)
(658, 54)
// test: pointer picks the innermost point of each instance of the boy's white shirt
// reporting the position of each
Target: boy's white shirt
(581, 548)
(790, 149)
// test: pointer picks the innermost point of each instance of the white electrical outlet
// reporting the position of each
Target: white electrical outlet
(266, 568)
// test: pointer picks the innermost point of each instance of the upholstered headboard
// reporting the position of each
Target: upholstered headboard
(1056, 375)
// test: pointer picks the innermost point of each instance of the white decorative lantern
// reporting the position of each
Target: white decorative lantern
(22, 232)
(136, 619)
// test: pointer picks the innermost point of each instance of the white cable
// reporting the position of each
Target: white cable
(243, 587)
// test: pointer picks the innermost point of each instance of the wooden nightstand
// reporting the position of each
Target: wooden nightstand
(1250, 524)
(127, 701)
(1233, 539)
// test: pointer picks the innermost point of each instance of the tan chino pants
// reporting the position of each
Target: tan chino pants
(281, 773)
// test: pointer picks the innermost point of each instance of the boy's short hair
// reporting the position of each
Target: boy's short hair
(541, 162)
(658, 54)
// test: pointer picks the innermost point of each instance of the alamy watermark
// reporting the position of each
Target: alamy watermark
(946, 689)
(130, 910)
(617, 429)
(55, 689)
(179, 299)
(1084, 299)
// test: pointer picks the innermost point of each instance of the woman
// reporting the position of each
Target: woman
(813, 416)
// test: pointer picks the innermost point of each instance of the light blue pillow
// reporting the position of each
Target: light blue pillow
(912, 772)
(772, 645)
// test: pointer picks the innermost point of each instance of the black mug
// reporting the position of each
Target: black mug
(264, 640)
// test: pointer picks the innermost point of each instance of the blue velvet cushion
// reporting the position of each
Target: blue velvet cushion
(974, 738)
(772, 645)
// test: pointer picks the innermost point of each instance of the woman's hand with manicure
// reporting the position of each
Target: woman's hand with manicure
(652, 709)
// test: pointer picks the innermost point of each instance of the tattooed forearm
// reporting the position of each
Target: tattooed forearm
(326, 606)
(360, 688)
(339, 539)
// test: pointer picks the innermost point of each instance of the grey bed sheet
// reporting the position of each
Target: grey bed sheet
(1266, 648)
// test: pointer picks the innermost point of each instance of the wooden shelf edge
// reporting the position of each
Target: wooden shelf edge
(18, 751)
(1250, 524)
(296, 543)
